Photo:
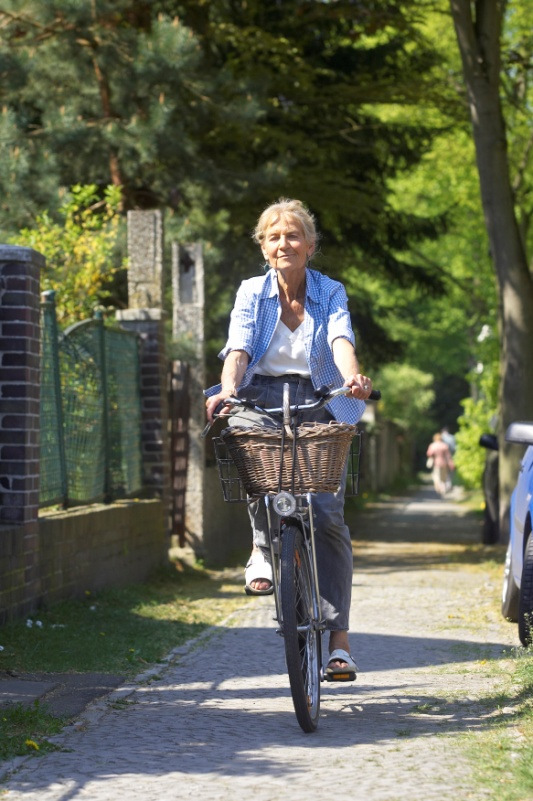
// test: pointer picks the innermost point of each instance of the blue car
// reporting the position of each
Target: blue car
(517, 595)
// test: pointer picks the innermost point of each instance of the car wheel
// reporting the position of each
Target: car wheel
(510, 592)
(525, 606)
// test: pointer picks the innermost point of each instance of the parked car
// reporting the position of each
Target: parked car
(517, 593)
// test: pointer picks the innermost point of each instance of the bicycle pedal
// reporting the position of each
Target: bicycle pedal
(345, 676)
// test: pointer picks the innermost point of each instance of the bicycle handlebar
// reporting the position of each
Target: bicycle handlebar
(323, 395)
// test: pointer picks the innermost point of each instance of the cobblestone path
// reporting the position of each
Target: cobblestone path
(218, 722)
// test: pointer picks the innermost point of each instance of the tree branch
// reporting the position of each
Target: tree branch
(8, 18)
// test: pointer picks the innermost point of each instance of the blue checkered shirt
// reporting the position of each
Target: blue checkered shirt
(255, 316)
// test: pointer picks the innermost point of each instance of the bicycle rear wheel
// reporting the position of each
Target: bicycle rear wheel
(303, 646)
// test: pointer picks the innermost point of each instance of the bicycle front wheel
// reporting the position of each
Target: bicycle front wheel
(302, 638)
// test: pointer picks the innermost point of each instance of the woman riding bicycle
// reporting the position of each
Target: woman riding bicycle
(292, 325)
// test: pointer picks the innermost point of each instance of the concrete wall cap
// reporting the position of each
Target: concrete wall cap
(131, 315)
(19, 253)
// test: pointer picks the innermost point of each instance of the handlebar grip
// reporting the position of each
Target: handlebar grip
(323, 392)
(218, 408)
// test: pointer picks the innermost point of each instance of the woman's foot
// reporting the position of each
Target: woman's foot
(258, 574)
(341, 666)
(338, 640)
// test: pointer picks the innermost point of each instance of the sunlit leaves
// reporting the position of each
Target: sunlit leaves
(79, 249)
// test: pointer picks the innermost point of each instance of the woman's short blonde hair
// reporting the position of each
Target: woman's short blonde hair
(285, 208)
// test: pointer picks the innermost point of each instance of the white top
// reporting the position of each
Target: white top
(285, 353)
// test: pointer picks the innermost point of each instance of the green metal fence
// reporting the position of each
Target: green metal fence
(90, 411)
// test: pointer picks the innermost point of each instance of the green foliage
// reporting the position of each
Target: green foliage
(407, 397)
(230, 98)
(79, 250)
(470, 457)
(27, 176)
(439, 332)
(478, 418)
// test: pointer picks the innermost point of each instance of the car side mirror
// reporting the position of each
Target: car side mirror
(520, 432)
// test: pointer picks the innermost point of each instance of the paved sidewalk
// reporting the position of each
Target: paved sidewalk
(218, 723)
(65, 694)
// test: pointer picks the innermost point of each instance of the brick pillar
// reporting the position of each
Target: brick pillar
(146, 317)
(19, 384)
(20, 335)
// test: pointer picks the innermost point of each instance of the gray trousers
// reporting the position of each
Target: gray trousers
(332, 536)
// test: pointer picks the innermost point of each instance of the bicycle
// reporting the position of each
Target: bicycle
(285, 466)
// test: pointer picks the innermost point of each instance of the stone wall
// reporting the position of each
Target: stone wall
(89, 548)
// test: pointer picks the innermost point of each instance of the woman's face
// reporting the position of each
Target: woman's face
(284, 245)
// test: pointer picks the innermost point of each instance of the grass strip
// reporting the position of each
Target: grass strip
(121, 630)
(502, 753)
(25, 730)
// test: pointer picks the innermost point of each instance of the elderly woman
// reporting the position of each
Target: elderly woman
(292, 325)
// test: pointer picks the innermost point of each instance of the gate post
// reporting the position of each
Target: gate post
(213, 529)
(188, 327)
(145, 316)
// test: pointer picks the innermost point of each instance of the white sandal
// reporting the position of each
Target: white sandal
(258, 569)
(341, 673)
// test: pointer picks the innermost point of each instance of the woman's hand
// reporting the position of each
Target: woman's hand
(361, 386)
(212, 403)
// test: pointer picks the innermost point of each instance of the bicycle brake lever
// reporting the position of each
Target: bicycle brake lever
(206, 430)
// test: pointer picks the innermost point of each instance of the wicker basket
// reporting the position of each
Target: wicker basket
(322, 449)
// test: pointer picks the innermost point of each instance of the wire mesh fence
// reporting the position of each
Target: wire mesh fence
(90, 411)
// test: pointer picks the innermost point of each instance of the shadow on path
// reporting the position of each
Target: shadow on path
(220, 719)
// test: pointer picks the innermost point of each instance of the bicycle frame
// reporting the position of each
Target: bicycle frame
(303, 517)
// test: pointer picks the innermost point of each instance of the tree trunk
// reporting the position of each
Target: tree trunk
(479, 45)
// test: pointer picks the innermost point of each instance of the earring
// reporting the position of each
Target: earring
(266, 267)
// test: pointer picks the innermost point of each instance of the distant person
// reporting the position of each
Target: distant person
(449, 439)
(441, 464)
